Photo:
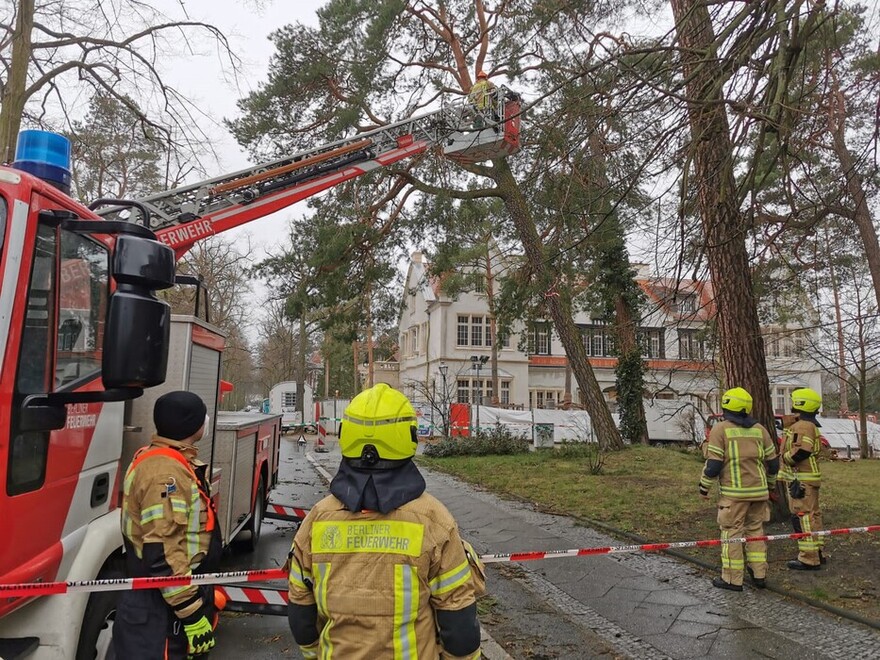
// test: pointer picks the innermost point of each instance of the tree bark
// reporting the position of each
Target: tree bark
(14, 91)
(855, 187)
(628, 343)
(493, 328)
(724, 228)
(558, 307)
(301, 371)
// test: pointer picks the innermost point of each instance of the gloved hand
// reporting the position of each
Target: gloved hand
(310, 652)
(704, 492)
(199, 634)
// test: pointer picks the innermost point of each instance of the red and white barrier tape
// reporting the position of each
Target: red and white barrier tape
(659, 547)
(287, 511)
(48, 588)
(28, 589)
(254, 595)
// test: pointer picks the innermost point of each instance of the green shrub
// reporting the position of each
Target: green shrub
(496, 441)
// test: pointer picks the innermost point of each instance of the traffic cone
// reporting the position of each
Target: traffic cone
(320, 446)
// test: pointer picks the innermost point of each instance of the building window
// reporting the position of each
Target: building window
(477, 331)
(463, 393)
(691, 345)
(505, 392)
(653, 343)
(598, 340)
(463, 332)
(545, 398)
(469, 390)
(414, 341)
(687, 304)
(780, 400)
(540, 339)
(288, 399)
(488, 330)
(771, 345)
(476, 390)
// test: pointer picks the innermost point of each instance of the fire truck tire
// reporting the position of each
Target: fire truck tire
(255, 524)
(96, 636)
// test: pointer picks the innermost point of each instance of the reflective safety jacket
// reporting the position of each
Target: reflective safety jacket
(744, 453)
(168, 519)
(378, 580)
(801, 436)
(481, 94)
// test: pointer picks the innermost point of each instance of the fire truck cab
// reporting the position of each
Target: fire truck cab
(85, 346)
(82, 333)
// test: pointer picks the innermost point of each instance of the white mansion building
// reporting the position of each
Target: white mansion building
(438, 330)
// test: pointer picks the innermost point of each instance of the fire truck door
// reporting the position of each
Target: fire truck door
(60, 339)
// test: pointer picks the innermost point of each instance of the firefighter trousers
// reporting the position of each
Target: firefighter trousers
(807, 517)
(146, 629)
(738, 518)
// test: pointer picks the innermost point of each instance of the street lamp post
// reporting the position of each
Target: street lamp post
(478, 361)
(443, 411)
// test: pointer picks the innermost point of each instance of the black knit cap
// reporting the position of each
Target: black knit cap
(178, 415)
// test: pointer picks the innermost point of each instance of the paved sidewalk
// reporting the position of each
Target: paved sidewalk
(641, 605)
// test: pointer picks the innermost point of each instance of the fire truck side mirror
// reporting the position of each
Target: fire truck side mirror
(138, 324)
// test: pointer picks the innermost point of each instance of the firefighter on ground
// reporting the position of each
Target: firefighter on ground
(377, 569)
(169, 528)
(742, 456)
(482, 97)
(800, 469)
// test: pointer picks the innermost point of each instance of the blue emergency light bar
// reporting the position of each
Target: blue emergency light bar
(46, 156)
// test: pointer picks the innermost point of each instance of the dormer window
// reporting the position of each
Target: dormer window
(687, 304)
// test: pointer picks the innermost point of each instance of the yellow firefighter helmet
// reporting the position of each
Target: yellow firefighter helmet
(806, 400)
(382, 417)
(737, 400)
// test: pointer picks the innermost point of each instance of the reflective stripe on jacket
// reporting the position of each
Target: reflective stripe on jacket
(378, 579)
(802, 435)
(744, 453)
(166, 507)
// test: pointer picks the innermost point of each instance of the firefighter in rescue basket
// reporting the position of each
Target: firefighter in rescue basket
(169, 528)
(377, 569)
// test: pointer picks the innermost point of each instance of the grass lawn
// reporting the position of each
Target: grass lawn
(652, 492)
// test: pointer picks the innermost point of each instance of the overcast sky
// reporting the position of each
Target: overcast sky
(211, 86)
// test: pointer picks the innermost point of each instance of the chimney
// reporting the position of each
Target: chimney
(416, 257)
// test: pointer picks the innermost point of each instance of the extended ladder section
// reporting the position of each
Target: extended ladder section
(182, 216)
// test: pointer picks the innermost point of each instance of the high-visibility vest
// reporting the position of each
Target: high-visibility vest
(148, 452)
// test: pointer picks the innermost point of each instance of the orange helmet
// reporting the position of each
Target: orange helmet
(481, 74)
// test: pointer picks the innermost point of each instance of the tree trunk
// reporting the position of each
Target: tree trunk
(369, 382)
(13, 100)
(633, 423)
(301, 371)
(558, 308)
(628, 347)
(493, 327)
(724, 228)
(861, 213)
(843, 402)
(863, 391)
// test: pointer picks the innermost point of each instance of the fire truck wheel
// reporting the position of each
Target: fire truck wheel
(256, 522)
(96, 636)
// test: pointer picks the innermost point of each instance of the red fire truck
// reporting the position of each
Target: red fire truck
(85, 347)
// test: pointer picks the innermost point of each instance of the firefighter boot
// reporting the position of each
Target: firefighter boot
(721, 584)
(798, 565)
(758, 583)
